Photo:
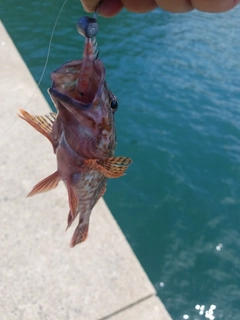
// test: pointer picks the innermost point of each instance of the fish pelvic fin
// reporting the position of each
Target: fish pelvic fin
(46, 184)
(42, 124)
(73, 201)
(69, 220)
(80, 233)
(109, 167)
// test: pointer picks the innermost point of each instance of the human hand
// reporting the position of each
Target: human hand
(110, 8)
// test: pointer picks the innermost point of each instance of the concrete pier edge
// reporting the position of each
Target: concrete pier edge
(41, 277)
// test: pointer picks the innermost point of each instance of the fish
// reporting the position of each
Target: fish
(82, 134)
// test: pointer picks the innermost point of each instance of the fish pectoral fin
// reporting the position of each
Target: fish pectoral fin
(46, 184)
(42, 124)
(72, 200)
(110, 167)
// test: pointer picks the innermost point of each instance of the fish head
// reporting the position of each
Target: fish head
(85, 105)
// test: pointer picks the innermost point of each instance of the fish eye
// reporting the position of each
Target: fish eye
(114, 104)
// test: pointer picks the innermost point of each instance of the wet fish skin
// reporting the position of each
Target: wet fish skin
(83, 136)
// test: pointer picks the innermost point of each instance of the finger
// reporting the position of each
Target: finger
(214, 5)
(109, 8)
(202, 5)
(139, 6)
(89, 6)
(176, 5)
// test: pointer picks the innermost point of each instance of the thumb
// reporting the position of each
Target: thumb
(107, 8)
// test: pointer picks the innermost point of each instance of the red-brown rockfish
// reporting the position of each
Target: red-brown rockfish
(82, 134)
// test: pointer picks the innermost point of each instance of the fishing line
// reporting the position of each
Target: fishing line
(44, 68)
(48, 52)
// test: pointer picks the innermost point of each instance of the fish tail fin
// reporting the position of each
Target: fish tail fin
(46, 184)
(42, 124)
(80, 233)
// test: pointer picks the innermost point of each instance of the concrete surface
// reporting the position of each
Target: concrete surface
(40, 276)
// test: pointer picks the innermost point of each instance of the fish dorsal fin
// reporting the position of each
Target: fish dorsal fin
(72, 200)
(110, 167)
(46, 184)
(42, 124)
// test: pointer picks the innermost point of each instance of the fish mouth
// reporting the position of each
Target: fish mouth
(66, 88)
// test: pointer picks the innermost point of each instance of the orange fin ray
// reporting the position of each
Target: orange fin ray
(109, 167)
(42, 124)
(73, 201)
(46, 184)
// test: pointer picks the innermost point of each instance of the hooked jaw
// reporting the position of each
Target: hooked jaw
(80, 82)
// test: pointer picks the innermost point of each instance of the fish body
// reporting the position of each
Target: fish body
(82, 134)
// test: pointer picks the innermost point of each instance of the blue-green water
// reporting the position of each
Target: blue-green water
(177, 78)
